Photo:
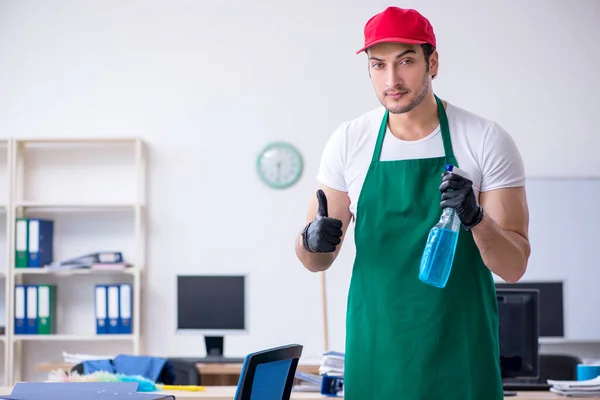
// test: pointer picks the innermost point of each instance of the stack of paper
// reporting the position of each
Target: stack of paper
(587, 388)
(308, 382)
(77, 358)
(332, 364)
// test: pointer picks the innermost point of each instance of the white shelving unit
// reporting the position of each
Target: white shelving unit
(94, 190)
(5, 278)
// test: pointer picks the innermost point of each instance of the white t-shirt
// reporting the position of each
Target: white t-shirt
(482, 148)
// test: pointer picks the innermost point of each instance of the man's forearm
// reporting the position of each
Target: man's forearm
(314, 262)
(504, 252)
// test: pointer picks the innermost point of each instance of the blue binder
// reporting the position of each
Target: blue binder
(20, 309)
(101, 307)
(125, 308)
(41, 243)
(31, 307)
(113, 310)
(82, 390)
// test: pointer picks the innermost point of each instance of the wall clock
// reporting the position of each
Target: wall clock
(279, 165)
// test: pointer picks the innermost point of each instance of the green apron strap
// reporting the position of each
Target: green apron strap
(380, 136)
(445, 128)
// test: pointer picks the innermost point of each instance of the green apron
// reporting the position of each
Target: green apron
(405, 339)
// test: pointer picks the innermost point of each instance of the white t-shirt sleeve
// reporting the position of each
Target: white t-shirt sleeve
(333, 161)
(502, 165)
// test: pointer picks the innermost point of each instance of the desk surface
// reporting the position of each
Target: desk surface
(215, 393)
(227, 392)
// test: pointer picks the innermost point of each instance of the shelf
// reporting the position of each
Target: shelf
(75, 205)
(73, 338)
(94, 188)
(103, 140)
(47, 271)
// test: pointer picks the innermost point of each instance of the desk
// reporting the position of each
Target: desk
(227, 393)
(227, 374)
(217, 393)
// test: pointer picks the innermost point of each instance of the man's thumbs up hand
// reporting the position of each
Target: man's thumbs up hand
(322, 199)
(323, 234)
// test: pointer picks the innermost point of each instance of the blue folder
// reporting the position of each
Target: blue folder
(81, 390)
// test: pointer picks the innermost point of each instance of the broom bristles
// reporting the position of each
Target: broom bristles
(144, 384)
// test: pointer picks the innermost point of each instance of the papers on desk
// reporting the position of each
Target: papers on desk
(76, 358)
(308, 382)
(587, 388)
(332, 364)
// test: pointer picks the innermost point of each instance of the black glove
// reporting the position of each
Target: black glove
(457, 193)
(323, 233)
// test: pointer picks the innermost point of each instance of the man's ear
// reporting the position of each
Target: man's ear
(434, 64)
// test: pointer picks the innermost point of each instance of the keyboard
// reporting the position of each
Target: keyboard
(526, 386)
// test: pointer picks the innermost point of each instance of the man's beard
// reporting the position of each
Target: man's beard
(418, 100)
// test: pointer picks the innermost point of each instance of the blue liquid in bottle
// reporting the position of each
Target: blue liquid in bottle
(438, 256)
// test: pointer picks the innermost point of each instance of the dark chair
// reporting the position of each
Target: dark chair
(185, 371)
(269, 374)
(558, 367)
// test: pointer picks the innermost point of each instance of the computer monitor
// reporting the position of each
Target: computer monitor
(519, 332)
(551, 310)
(212, 304)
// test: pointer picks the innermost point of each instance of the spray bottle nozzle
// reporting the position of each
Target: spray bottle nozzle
(455, 170)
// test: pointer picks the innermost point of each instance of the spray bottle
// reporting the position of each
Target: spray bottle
(438, 256)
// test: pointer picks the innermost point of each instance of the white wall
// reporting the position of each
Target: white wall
(208, 83)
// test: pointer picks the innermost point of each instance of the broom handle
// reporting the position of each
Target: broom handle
(324, 304)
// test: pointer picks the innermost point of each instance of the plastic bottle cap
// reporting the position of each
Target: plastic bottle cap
(457, 171)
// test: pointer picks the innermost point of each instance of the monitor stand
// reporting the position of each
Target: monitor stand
(214, 347)
(214, 352)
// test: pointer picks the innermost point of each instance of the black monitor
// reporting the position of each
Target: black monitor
(551, 310)
(519, 332)
(214, 305)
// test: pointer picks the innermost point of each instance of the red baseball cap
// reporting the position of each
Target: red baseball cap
(400, 25)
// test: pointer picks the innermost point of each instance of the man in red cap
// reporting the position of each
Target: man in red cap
(406, 339)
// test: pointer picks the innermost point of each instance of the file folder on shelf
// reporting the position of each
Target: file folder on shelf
(20, 309)
(113, 309)
(101, 306)
(46, 310)
(34, 242)
(91, 260)
(41, 233)
(21, 243)
(32, 310)
(35, 309)
(125, 300)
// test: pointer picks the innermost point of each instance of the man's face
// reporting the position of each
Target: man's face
(399, 75)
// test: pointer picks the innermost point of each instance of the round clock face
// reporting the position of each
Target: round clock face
(279, 165)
